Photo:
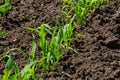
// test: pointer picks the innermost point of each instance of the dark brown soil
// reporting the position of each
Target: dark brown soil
(99, 49)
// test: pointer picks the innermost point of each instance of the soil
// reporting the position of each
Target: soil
(99, 48)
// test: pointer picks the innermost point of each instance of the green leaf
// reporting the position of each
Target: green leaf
(32, 54)
(17, 73)
(5, 7)
(8, 68)
(28, 71)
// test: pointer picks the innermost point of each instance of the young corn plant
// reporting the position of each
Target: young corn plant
(4, 7)
(10, 66)
(52, 50)
(8, 69)
(27, 73)
(80, 8)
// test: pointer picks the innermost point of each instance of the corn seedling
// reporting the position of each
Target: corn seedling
(4, 7)
(51, 50)
(10, 65)
(80, 8)
(8, 69)
(27, 73)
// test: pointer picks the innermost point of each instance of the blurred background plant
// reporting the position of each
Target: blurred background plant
(4, 7)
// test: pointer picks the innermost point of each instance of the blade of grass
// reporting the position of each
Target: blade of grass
(28, 71)
(17, 73)
(32, 54)
(8, 68)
